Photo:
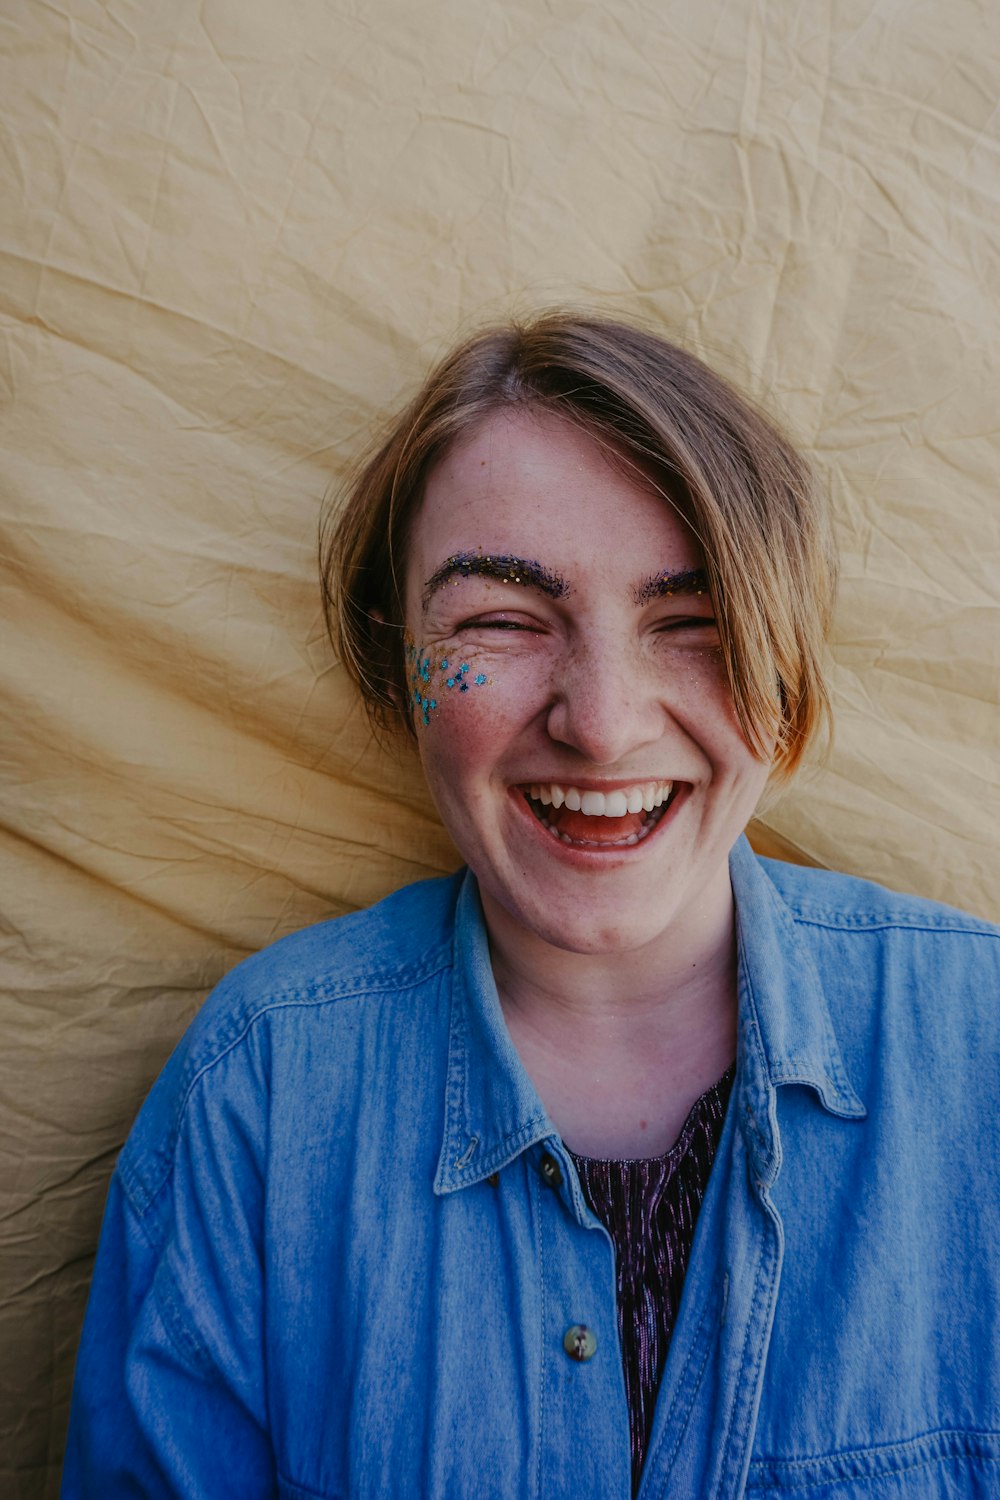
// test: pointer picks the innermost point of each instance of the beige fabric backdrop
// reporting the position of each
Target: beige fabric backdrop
(231, 232)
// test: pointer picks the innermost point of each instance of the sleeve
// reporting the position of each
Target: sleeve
(170, 1395)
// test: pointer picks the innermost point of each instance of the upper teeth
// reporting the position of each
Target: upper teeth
(627, 799)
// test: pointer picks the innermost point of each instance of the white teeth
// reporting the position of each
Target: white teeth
(644, 797)
(632, 839)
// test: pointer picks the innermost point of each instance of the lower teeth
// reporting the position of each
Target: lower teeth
(633, 838)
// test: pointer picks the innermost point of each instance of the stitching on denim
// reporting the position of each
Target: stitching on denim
(300, 1490)
(457, 1064)
(467, 1113)
(877, 922)
(457, 1108)
(508, 1144)
(758, 1047)
(534, 1198)
(739, 1379)
(513, 1140)
(761, 1350)
(287, 1000)
(887, 1475)
(134, 1213)
(874, 1450)
(834, 1072)
(171, 1318)
(751, 1120)
(164, 1306)
(677, 1405)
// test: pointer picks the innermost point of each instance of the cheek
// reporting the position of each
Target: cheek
(699, 687)
(705, 701)
(700, 668)
(437, 680)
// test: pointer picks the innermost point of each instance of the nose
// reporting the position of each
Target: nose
(607, 701)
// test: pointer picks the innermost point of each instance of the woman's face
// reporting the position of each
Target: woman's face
(564, 670)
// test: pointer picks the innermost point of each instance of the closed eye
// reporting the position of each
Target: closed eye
(687, 622)
(494, 623)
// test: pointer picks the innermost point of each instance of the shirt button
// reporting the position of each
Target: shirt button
(550, 1170)
(580, 1342)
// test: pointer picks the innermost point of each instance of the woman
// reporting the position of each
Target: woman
(410, 1211)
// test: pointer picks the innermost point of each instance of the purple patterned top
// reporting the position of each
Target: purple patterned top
(649, 1206)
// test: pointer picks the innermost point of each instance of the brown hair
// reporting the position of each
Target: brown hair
(738, 482)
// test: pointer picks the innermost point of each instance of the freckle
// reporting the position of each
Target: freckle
(642, 1124)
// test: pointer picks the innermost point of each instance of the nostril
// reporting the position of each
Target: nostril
(602, 727)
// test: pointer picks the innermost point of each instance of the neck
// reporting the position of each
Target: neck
(620, 1045)
(696, 952)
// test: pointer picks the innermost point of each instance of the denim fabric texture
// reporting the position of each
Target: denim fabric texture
(330, 1265)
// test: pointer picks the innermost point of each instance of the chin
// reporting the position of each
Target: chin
(593, 934)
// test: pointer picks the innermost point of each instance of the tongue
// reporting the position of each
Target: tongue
(577, 825)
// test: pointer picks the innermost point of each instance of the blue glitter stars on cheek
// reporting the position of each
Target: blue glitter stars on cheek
(424, 676)
(418, 671)
(457, 679)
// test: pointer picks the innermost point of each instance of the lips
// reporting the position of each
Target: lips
(584, 818)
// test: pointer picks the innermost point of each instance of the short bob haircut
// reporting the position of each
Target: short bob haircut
(669, 420)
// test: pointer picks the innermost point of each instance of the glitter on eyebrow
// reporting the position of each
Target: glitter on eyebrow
(503, 568)
(664, 585)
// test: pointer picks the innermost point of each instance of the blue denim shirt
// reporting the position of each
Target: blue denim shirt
(330, 1265)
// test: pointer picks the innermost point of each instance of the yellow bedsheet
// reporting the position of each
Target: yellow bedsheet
(232, 232)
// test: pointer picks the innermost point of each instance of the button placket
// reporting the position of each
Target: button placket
(583, 1388)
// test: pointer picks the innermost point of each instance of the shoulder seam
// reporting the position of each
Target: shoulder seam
(300, 996)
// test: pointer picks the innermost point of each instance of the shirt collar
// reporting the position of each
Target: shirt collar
(492, 1109)
(786, 1036)
(786, 1033)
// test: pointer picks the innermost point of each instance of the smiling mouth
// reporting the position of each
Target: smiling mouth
(586, 819)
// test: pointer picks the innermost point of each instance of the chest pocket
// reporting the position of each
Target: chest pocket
(937, 1466)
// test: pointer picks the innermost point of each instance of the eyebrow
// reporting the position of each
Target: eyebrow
(663, 585)
(502, 567)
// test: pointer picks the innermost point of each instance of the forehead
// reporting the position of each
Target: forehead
(534, 485)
